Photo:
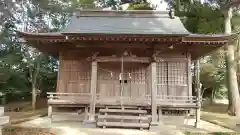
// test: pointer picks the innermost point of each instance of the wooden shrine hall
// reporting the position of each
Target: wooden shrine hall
(125, 68)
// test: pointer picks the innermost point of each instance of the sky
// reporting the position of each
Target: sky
(163, 5)
(160, 3)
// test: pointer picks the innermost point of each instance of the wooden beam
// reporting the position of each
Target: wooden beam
(93, 91)
(123, 111)
(126, 59)
(111, 44)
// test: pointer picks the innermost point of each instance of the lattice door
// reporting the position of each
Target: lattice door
(162, 78)
(137, 83)
(112, 84)
(172, 78)
(177, 78)
(108, 87)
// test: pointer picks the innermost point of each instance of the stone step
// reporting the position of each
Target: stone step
(123, 111)
(123, 124)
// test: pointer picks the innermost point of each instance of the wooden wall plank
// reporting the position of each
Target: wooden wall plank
(74, 74)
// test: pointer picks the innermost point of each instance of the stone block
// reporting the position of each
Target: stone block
(154, 127)
(89, 124)
(198, 125)
(1, 111)
(4, 120)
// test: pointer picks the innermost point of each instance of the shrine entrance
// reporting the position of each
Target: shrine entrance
(121, 82)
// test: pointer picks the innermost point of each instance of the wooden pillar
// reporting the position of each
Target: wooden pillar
(59, 71)
(159, 114)
(189, 74)
(86, 113)
(154, 92)
(190, 80)
(93, 91)
(198, 92)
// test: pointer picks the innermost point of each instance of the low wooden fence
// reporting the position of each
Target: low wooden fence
(85, 98)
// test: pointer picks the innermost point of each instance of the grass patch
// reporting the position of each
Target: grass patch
(217, 114)
(16, 130)
(215, 133)
(215, 108)
(25, 113)
(18, 117)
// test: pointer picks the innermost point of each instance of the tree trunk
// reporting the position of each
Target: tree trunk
(34, 83)
(238, 61)
(177, 6)
(203, 90)
(212, 96)
(34, 97)
(231, 70)
(227, 85)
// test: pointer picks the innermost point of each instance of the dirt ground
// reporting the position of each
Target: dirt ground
(25, 112)
(26, 118)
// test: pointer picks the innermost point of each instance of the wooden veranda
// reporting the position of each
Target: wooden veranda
(126, 65)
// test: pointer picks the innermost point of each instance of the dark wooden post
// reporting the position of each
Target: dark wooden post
(198, 92)
(93, 91)
(154, 93)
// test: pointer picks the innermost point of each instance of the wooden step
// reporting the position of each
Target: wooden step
(123, 117)
(123, 111)
(120, 124)
(120, 107)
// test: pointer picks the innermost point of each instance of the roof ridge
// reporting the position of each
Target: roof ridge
(123, 13)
